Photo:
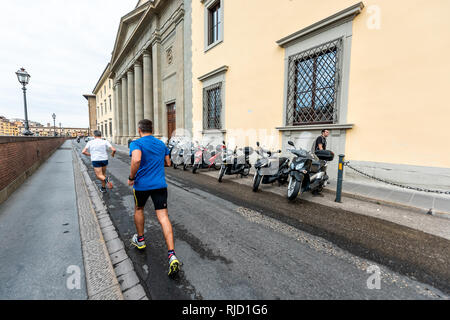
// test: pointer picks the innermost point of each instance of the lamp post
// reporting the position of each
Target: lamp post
(54, 124)
(24, 79)
(60, 130)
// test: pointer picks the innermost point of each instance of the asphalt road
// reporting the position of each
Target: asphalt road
(235, 244)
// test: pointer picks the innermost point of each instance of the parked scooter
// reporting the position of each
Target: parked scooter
(173, 146)
(206, 158)
(78, 139)
(270, 168)
(234, 163)
(188, 156)
(306, 173)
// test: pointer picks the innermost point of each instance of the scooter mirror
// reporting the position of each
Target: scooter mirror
(257, 144)
(279, 151)
(291, 143)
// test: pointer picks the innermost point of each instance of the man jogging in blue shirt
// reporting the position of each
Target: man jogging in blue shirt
(148, 158)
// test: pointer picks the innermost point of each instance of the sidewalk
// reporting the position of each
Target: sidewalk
(388, 194)
(52, 247)
(40, 237)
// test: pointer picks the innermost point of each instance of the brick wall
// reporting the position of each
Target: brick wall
(19, 154)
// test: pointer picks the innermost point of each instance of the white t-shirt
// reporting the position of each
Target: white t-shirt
(98, 148)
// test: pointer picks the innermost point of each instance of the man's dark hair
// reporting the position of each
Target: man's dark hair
(97, 133)
(323, 131)
(146, 126)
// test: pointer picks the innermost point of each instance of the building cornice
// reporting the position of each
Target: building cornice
(117, 56)
(87, 96)
(311, 127)
(213, 73)
(341, 17)
(105, 75)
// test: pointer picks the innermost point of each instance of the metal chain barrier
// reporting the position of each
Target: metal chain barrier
(347, 164)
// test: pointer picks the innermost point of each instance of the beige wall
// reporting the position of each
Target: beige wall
(105, 100)
(398, 78)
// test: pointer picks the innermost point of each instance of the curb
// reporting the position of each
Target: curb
(119, 264)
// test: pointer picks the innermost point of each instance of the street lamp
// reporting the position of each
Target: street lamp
(54, 124)
(24, 79)
(60, 130)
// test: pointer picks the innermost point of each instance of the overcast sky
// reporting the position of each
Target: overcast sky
(65, 46)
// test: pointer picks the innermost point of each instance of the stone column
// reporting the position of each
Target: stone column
(157, 90)
(118, 112)
(131, 111)
(138, 95)
(114, 125)
(124, 110)
(148, 86)
(179, 61)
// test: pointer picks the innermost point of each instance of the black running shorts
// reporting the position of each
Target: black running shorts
(159, 198)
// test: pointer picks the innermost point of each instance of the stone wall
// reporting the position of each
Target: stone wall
(20, 157)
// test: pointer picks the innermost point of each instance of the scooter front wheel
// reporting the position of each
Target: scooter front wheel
(256, 181)
(222, 172)
(195, 168)
(293, 188)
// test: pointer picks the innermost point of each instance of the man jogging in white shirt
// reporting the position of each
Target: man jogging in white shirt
(97, 149)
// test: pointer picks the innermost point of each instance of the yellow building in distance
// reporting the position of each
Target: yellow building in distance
(104, 94)
(371, 72)
(8, 128)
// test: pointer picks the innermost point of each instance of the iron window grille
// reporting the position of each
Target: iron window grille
(212, 107)
(313, 85)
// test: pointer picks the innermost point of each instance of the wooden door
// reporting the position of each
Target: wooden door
(171, 119)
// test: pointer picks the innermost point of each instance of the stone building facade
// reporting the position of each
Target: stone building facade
(147, 68)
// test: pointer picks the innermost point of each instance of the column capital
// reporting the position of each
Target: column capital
(130, 71)
(137, 63)
(147, 53)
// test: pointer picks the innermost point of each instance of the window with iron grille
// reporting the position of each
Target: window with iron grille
(313, 84)
(212, 107)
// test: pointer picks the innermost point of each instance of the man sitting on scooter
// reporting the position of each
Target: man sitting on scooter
(321, 141)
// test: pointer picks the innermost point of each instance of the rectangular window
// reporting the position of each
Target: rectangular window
(110, 104)
(106, 107)
(214, 23)
(313, 85)
(212, 107)
(110, 129)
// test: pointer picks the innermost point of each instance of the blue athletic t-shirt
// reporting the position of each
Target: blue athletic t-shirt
(151, 175)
